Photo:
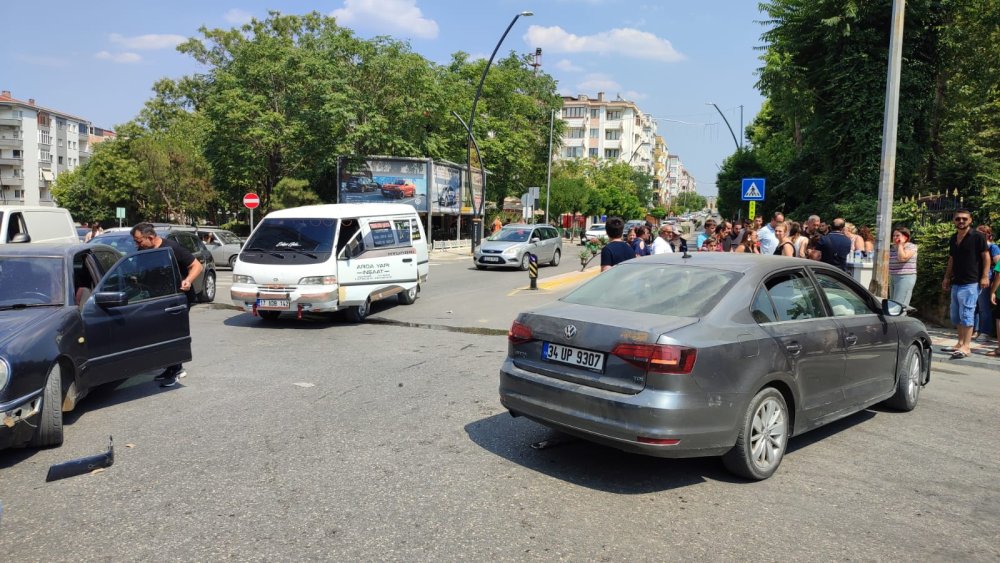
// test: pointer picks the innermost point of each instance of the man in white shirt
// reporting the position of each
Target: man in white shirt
(662, 243)
(768, 240)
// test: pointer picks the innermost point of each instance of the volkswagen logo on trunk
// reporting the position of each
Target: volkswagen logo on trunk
(569, 331)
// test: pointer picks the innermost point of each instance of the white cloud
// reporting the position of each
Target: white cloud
(399, 17)
(118, 57)
(567, 65)
(633, 95)
(149, 41)
(237, 16)
(598, 83)
(628, 42)
(52, 62)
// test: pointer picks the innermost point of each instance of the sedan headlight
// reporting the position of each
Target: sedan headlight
(243, 279)
(512, 251)
(319, 280)
(4, 373)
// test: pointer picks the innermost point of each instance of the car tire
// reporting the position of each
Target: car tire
(208, 294)
(269, 316)
(359, 313)
(232, 261)
(50, 420)
(909, 374)
(555, 258)
(525, 262)
(757, 454)
(409, 296)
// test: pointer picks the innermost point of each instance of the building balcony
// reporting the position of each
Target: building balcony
(11, 143)
(613, 144)
(7, 181)
(12, 161)
(575, 122)
(12, 121)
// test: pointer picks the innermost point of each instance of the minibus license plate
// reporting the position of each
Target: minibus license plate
(272, 303)
(586, 359)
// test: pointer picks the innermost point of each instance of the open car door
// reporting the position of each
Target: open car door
(137, 319)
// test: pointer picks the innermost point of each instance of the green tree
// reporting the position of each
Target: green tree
(291, 192)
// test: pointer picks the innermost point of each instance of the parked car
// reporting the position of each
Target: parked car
(76, 316)
(595, 232)
(713, 354)
(510, 246)
(399, 188)
(204, 285)
(224, 245)
(21, 224)
(361, 184)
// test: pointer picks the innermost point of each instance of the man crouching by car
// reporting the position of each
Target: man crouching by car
(145, 237)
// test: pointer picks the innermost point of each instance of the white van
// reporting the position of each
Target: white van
(28, 223)
(324, 258)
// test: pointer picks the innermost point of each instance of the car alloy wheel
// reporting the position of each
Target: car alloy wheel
(760, 444)
(908, 380)
(208, 295)
(525, 261)
(555, 258)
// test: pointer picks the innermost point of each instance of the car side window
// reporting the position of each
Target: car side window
(794, 297)
(188, 241)
(843, 300)
(762, 308)
(107, 259)
(15, 226)
(146, 275)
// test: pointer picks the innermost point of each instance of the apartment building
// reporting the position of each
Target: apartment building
(36, 145)
(618, 129)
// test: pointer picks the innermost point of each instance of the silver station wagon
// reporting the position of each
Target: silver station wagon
(712, 354)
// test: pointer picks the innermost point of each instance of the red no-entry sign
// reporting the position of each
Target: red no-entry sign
(251, 200)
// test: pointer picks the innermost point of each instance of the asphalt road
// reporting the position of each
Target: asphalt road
(316, 439)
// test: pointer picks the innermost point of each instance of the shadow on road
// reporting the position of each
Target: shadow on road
(606, 469)
(308, 320)
(115, 393)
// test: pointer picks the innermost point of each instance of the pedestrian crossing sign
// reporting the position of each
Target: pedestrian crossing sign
(753, 189)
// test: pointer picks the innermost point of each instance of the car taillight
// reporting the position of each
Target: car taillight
(658, 358)
(519, 333)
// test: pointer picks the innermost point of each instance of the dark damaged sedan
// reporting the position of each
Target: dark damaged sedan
(712, 354)
(73, 317)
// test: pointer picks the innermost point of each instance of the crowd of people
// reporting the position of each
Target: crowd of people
(972, 274)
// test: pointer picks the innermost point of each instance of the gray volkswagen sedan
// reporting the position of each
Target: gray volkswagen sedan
(712, 354)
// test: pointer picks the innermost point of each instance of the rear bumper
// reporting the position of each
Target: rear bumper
(706, 425)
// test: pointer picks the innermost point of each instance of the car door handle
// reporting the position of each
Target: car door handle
(175, 309)
(794, 349)
(407, 259)
(851, 340)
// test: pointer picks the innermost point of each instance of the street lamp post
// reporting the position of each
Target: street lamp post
(727, 121)
(548, 175)
(477, 219)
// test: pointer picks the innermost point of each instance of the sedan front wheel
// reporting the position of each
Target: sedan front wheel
(761, 443)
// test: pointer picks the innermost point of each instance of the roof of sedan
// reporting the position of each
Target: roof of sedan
(731, 261)
(42, 249)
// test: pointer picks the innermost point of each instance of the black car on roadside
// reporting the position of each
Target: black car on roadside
(73, 317)
(361, 184)
(204, 285)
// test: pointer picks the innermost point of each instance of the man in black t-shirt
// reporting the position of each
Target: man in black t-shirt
(967, 273)
(617, 250)
(835, 247)
(145, 237)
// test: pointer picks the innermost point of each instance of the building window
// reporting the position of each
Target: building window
(595, 113)
(574, 111)
(17, 153)
(18, 172)
(60, 160)
(44, 138)
(44, 156)
(60, 142)
(18, 194)
(616, 114)
(575, 133)
(612, 153)
(573, 152)
(592, 153)
(612, 134)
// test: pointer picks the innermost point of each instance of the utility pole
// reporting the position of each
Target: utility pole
(548, 176)
(887, 175)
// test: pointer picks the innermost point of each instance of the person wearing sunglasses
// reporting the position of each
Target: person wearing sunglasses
(965, 275)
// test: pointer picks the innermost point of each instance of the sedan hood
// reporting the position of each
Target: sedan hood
(499, 245)
(16, 321)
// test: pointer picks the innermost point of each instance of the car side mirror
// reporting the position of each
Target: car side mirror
(535, 239)
(892, 308)
(20, 238)
(109, 299)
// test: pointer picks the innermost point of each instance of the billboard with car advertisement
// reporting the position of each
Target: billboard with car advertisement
(384, 180)
(446, 189)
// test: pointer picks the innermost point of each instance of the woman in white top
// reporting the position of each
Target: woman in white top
(799, 240)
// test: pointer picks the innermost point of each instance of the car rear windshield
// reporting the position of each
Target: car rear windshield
(662, 289)
(310, 238)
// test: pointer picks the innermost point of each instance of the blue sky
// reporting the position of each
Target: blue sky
(99, 59)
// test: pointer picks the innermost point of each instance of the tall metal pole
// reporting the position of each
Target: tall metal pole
(477, 219)
(887, 176)
(727, 123)
(548, 176)
(742, 132)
